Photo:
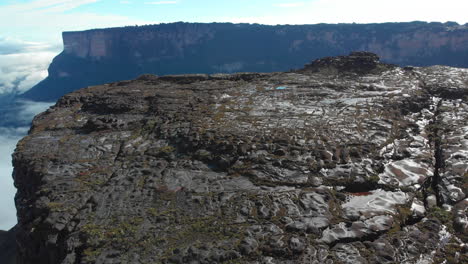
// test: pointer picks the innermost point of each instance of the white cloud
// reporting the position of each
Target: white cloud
(23, 64)
(19, 72)
(285, 5)
(9, 138)
(162, 3)
(125, 2)
(9, 45)
(68, 5)
(29, 109)
(44, 20)
(48, 5)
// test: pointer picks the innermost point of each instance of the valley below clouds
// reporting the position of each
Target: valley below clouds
(22, 65)
(9, 137)
(23, 112)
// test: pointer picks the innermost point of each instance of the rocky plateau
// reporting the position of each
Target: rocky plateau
(347, 160)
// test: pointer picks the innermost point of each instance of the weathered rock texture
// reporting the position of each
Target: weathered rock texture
(106, 55)
(345, 161)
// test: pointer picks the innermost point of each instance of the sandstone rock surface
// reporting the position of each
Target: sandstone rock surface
(345, 161)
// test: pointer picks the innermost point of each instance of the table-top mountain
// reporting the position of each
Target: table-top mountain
(348, 160)
(106, 55)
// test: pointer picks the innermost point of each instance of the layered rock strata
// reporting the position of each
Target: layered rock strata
(106, 55)
(345, 161)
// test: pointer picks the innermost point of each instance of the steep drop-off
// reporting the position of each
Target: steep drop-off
(345, 161)
(105, 55)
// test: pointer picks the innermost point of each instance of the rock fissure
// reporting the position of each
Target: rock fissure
(365, 238)
(438, 157)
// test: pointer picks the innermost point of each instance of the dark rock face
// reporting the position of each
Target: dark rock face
(313, 166)
(359, 62)
(8, 246)
(107, 55)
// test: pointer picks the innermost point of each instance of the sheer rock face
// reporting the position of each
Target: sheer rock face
(106, 55)
(313, 166)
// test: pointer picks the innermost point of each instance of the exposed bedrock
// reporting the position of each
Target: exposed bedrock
(329, 164)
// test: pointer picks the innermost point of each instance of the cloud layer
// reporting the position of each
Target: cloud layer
(9, 137)
(23, 64)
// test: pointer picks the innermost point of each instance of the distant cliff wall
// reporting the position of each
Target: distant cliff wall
(134, 43)
(105, 55)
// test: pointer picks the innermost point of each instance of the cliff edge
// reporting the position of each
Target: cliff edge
(99, 56)
(328, 164)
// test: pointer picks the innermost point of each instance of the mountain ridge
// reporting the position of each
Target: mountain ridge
(106, 55)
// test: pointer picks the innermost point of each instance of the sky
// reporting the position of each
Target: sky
(30, 36)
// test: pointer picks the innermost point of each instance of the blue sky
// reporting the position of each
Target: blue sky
(30, 36)
(43, 20)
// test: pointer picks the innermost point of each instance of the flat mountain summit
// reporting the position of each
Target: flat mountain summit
(348, 160)
(98, 56)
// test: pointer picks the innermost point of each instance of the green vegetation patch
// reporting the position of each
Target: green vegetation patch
(119, 235)
(445, 217)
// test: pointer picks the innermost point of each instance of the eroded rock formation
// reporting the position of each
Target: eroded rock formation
(328, 164)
